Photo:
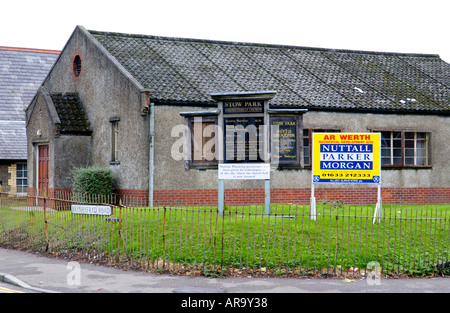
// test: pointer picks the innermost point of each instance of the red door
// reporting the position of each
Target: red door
(43, 171)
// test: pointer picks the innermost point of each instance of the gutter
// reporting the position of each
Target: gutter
(364, 111)
(7, 278)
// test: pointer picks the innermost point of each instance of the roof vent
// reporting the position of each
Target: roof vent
(76, 65)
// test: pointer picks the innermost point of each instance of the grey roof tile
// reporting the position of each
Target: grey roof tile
(189, 70)
(71, 113)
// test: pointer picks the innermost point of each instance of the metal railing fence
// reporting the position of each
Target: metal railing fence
(197, 240)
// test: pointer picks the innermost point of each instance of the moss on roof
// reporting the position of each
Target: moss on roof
(189, 70)
(71, 113)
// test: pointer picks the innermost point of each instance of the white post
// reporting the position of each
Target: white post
(378, 208)
(312, 212)
(312, 209)
(221, 196)
(267, 197)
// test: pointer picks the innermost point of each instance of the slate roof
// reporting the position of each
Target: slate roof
(22, 71)
(13, 140)
(188, 71)
(71, 114)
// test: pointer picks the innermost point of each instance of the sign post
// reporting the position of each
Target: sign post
(251, 171)
(346, 158)
(243, 152)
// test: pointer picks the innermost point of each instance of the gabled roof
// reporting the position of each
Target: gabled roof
(70, 110)
(22, 71)
(188, 71)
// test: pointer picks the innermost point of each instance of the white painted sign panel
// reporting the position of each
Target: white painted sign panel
(244, 171)
(91, 209)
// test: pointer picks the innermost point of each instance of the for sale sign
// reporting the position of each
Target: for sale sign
(346, 158)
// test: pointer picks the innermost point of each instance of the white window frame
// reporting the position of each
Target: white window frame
(24, 191)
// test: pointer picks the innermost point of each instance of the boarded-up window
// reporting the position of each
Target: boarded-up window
(202, 150)
(203, 142)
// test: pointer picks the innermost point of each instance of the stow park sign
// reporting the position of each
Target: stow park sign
(256, 139)
(346, 158)
(244, 117)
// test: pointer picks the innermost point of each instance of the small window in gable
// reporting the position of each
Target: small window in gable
(76, 65)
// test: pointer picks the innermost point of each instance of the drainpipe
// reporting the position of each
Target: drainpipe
(151, 121)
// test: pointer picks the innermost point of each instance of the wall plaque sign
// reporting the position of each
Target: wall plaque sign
(243, 107)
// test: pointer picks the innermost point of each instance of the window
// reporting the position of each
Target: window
(21, 178)
(405, 149)
(114, 140)
(201, 140)
(391, 148)
(416, 149)
(76, 66)
(307, 142)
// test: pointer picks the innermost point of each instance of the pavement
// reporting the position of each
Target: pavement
(42, 274)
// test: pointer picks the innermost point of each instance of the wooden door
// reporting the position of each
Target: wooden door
(43, 170)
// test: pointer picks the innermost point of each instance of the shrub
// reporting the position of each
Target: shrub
(93, 181)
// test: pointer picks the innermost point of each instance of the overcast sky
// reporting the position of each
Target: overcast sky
(408, 26)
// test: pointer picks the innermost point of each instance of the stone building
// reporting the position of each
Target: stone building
(147, 107)
(22, 71)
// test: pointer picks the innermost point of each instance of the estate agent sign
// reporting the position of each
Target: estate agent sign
(346, 158)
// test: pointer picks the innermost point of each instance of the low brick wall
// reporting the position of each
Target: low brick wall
(358, 196)
(302, 196)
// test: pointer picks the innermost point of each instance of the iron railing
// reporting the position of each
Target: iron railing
(342, 241)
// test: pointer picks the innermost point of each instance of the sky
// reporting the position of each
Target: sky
(404, 26)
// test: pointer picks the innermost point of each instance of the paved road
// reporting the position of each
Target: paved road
(50, 274)
(8, 288)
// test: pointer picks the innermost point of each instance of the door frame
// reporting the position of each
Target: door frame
(36, 149)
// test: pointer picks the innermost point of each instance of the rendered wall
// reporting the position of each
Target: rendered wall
(105, 93)
(407, 185)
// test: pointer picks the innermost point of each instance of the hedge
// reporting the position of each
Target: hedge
(93, 180)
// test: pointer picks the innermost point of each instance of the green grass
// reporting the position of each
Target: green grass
(410, 239)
